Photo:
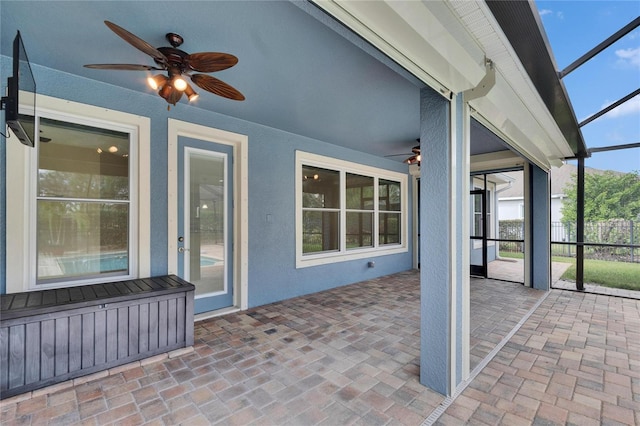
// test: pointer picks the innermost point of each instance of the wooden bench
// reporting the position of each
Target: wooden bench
(49, 336)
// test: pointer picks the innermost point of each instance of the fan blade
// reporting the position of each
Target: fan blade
(211, 61)
(137, 42)
(123, 67)
(218, 87)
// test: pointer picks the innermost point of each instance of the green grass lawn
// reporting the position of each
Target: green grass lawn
(610, 274)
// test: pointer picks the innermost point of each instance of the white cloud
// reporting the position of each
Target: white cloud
(632, 106)
(629, 57)
(545, 12)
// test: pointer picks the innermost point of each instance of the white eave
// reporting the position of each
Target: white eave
(444, 44)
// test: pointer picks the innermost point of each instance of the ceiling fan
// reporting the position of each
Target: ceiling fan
(178, 64)
(414, 157)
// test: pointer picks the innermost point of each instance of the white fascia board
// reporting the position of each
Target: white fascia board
(417, 39)
(513, 83)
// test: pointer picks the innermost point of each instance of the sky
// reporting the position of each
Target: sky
(573, 27)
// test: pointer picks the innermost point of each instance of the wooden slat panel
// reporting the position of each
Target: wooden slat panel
(48, 350)
(180, 317)
(132, 287)
(32, 353)
(153, 326)
(75, 294)
(133, 330)
(5, 301)
(112, 335)
(111, 289)
(172, 321)
(143, 331)
(123, 332)
(170, 282)
(49, 297)
(88, 292)
(62, 295)
(4, 358)
(143, 285)
(88, 342)
(159, 281)
(122, 288)
(100, 326)
(152, 284)
(62, 346)
(162, 323)
(52, 301)
(16, 356)
(75, 343)
(101, 292)
(189, 334)
(35, 298)
(19, 300)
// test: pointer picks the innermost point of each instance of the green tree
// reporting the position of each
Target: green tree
(607, 195)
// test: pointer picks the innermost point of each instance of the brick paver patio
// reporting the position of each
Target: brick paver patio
(351, 356)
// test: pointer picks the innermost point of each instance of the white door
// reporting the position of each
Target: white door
(205, 221)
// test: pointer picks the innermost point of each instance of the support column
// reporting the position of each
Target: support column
(580, 227)
(444, 278)
(540, 226)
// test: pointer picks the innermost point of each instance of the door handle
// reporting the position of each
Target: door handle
(182, 249)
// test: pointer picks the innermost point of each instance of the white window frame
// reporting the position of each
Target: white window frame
(343, 254)
(22, 163)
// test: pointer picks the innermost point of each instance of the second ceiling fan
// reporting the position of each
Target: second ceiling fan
(178, 64)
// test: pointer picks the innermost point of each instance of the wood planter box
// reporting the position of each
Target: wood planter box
(51, 336)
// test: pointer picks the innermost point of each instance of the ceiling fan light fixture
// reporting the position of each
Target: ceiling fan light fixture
(165, 91)
(177, 63)
(414, 159)
(157, 81)
(191, 94)
(179, 83)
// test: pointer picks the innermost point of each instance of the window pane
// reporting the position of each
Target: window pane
(320, 231)
(359, 192)
(359, 230)
(389, 228)
(389, 195)
(320, 187)
(81, 239)
(78, 161)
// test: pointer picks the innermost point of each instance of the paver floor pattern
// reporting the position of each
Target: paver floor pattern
(351, 356)
(576, 361)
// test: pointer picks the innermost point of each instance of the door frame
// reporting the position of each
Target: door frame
(480, 270)
(240, 191)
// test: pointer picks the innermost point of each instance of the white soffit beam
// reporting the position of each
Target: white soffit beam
(495, 161)
(444, 44)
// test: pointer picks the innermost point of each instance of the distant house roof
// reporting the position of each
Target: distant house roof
(560, 178)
